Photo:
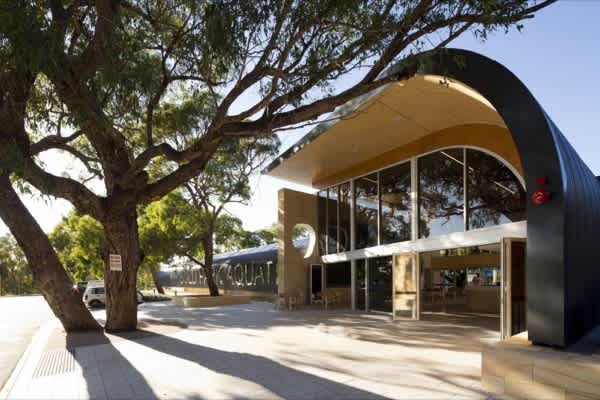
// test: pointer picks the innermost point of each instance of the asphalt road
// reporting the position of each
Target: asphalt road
(20, 318)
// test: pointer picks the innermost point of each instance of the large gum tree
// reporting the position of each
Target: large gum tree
(88, 77)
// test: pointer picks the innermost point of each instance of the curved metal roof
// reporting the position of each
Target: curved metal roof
(263, 253)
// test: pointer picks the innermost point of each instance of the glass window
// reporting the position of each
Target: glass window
(322, 210)
(395, 204)
(338, 274)
(366, 207)
(441, 198)
(361, 285)
(332, 220)
(495, 194)
(344, 223)
(380, 284)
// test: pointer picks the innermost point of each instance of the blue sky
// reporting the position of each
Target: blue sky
(557, 56)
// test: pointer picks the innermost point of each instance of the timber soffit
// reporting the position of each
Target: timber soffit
(335, 117)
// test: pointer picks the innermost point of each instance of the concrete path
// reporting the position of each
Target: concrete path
(255, 352)
(20, 318)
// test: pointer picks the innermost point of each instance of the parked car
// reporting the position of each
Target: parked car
(94, 295)
(80, 287)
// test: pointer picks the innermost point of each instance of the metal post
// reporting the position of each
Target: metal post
(414, 198)
(366, 284)
(465, 188)
(352, 246)
(378, 209)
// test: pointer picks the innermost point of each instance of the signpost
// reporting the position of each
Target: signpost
(114, 262)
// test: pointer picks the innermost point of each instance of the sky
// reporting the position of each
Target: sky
(557, 56)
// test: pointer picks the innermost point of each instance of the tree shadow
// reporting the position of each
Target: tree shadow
(272, 377)
(109, 374)
(453, 332)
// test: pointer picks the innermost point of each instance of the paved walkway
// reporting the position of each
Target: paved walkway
(256, 352)
(20, 319)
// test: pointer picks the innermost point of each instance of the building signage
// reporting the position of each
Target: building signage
(253, 276)
(115, 263)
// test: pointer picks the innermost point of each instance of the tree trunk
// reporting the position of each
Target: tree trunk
(49, 276)
(120, 286)
(207, 243)
(157, 284)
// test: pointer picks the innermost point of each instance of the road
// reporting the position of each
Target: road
(20, 318)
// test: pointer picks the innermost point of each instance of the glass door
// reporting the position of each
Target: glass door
(380, 284)
(360, 286)
(514, 287)
(406, 285)
(316, 281)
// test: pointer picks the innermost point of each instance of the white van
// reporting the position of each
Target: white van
(94, 295)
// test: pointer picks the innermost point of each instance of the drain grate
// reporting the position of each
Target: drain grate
(55, 362)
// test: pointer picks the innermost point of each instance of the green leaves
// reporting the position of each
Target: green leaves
(15, 277)
(80, 244)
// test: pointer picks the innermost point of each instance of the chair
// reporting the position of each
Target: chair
(317, 298)
(280, 301)
(300, 298)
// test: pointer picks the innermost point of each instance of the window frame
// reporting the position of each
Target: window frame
(413, 160)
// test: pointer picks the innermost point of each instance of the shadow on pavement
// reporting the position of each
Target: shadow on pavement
(464, 333)
(108, 374)
(273, 376)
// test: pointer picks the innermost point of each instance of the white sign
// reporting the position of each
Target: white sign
(114, 262)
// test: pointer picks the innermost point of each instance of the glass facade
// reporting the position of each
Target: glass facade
(345, 210)
(380, 284)
(338, 274)
(361, 285)
(441, 197)
(332, 220)
(322, 212)
(366, 210)
(495, 194)
(395, 190)
(383, 200)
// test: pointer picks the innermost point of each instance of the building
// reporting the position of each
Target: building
(250, 270)
(453, 190)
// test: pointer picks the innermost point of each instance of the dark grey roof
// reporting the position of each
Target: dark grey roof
(264, 253)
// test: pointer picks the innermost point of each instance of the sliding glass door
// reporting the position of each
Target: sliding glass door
(380, 284)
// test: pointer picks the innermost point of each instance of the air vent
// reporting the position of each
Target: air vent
(56, 362)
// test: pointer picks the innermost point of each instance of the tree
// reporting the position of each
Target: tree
(91, 77)
(225, 180)
(15, 277)
(173, 227)
(80, 244)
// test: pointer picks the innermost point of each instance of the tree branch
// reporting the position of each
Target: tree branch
(68, 189)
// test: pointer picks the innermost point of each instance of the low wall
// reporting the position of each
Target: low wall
(210, 301)
(200, 297)
(518, 369)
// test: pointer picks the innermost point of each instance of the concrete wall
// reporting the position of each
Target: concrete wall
(521, 370)
(292, 269)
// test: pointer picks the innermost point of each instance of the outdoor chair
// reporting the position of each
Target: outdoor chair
(280, 302)
(316, 298)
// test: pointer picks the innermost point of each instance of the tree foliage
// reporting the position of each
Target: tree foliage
(15, 277)
(79, 242)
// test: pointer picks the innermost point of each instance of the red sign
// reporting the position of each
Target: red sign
(540, 197)
(115, 263)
